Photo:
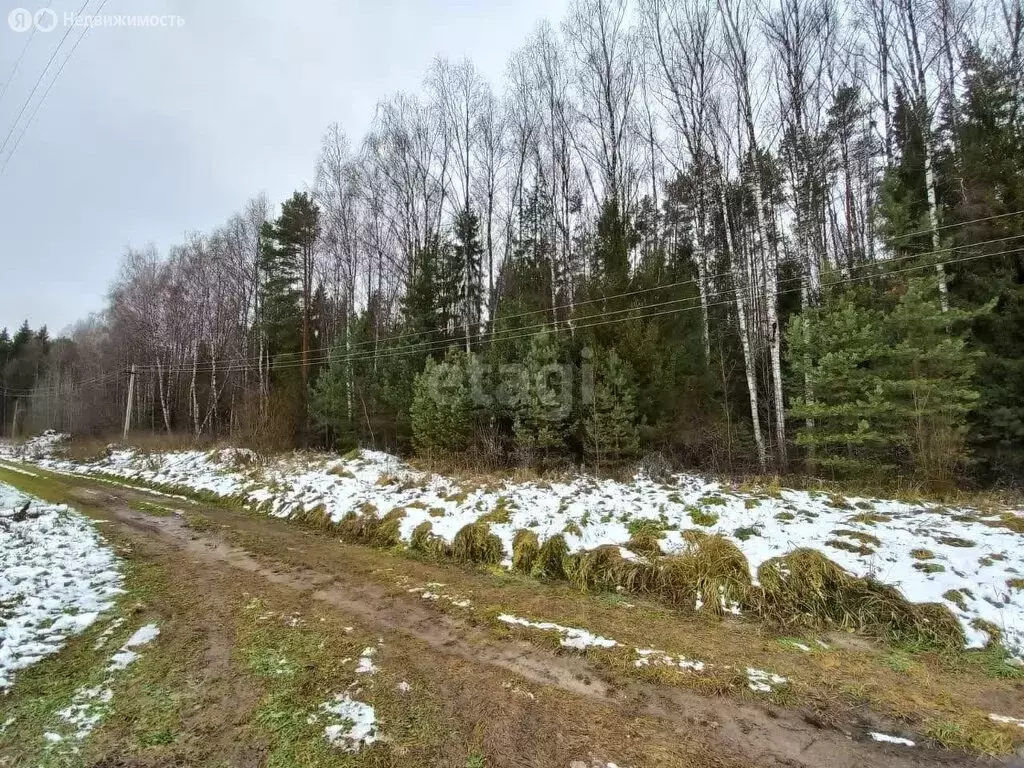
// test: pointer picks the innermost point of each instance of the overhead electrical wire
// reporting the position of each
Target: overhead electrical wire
(49, 87)
(690, 281)
(520, 333)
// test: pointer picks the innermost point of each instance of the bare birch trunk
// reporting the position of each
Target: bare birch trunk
(741, 318)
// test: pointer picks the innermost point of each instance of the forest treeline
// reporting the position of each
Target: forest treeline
(747, 236)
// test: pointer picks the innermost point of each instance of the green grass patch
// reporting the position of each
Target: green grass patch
(702, 517)
(955, 541)
(150, 508)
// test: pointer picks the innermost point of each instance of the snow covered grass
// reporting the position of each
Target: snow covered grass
(571, 637)
(967, 560)
(56, 578)
(351, 724)
(90, 704)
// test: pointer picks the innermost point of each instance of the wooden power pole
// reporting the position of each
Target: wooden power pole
(128, 407)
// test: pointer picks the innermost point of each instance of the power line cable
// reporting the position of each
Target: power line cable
(500, 335)
(530, 331)
(17, 62)
(35, 110)
(39, 80)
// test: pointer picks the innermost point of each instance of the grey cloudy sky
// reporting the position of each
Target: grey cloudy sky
(150, 133)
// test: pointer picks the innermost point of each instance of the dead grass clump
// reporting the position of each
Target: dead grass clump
(645, 543)
(549, 560)
(525, 548)
(424, 540)
(938, 626)
(712, 571)
(420, 535)
(387, 532)
(596, 569)
(801, 588)
(475, 543)
(358, 528)
(316, 517)
(807, 588)
(501, 514)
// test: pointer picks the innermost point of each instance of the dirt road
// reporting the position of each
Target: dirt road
(469, 695)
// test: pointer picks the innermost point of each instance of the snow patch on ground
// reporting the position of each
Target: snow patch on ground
(56, 578)
(648, 657)
(366, 665)
(89, 705)
(572, 637)
(887, 739)
(350, 724)
(963, 553)
(1006, 720)
(761, 681)
(127, 655)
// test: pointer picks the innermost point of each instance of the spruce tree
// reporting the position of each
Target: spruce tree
(466, 271)
(610, 431)
(329, 400)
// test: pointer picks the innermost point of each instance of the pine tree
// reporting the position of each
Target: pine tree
(542, 414)
(297, 230)
(279, 270)
(442, 411)
(609, 424)
(892, 387)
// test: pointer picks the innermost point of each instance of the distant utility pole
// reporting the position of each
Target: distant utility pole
(14, 421)
(128, 407)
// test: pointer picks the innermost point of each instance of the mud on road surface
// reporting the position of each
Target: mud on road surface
(568, 711)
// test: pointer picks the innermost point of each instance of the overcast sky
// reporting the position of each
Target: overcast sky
(150, 133)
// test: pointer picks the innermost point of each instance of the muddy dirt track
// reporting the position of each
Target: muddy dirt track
(706, 730)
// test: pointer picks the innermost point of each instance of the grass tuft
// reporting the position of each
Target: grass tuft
(475, 543)
(525, 549)
(702, 517)
(645, 543)
(806, 588)
(549, 560)
(712, 569)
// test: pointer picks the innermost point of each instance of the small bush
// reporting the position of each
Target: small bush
(475, 543)
(549, 559)
(525, 549)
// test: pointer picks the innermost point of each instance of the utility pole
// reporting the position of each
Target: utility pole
(128, 407)
(14, 421)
